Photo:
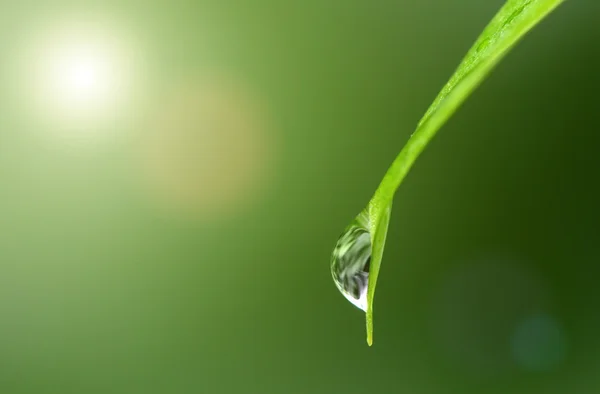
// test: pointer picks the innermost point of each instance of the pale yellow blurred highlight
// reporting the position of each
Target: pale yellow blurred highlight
(208, 150)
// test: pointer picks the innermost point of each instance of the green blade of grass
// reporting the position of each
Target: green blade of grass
(507, 27)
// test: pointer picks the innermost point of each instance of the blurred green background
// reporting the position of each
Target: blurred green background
(172, 234)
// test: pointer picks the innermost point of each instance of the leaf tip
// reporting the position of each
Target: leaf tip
(370, 325)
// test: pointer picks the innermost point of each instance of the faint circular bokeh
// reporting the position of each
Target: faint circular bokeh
(538, 343)
(207, 151)
(486, 318)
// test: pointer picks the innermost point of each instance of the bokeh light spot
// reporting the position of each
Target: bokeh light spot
(476, 308)
(208, 148)
(538, 343)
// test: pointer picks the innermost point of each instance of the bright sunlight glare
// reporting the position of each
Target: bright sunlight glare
(79, 72)
(80, 77)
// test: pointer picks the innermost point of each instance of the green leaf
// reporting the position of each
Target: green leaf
(507, 27)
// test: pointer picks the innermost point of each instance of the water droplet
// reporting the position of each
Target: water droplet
(350, 264)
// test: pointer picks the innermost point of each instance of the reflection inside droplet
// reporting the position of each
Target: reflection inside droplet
(350, 264)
